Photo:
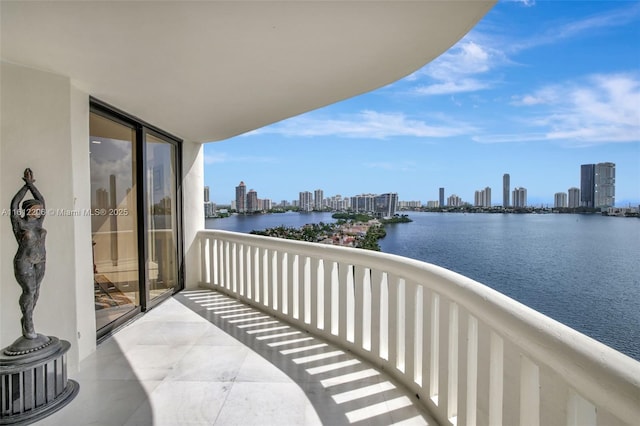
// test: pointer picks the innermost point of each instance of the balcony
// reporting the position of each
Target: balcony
(468, 353)
(286, 332)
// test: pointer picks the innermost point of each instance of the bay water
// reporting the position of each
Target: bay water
(581, 270)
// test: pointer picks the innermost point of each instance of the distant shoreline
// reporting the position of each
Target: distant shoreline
(617, 212)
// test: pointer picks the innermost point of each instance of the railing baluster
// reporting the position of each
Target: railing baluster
(496, 378)
(248, 265)
(395, 328)
(344, 272)
(472, 371)
(274, 278)
(313, 292)
(214, 261)
(580, 412)
(227, 264)
(321, 286)
(306, 291)
(234, 267)
(418, 345)
(284, 285)
(303, 275)
(264, 272)
(409, 301)
(452, 363)
(376, 285)
(328, 284)
(443, 356)
(529, 392)
(292, 282)
(427, 370)
(367, 310)
(295, 286)
(359, 302)
(384, 317)
(257, 275)
(204, 260)
(241, 278)
(434, 384)
(350, 303)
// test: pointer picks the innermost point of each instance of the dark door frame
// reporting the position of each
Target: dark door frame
(141, 129)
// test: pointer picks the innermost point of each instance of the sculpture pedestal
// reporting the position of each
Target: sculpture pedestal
(34, 384)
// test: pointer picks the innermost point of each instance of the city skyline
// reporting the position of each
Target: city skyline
(535, 90)
(483, 197)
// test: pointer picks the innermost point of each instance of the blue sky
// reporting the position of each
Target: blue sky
(534, 90)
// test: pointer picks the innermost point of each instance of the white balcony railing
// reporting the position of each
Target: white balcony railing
(471, 354)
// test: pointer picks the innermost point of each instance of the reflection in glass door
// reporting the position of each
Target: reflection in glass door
(135, 201)
(114, 228)
(162, 223)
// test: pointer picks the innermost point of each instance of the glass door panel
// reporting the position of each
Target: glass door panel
(161, 220)
(114, 229)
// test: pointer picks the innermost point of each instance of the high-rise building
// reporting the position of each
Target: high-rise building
(386, 204)
(587, 185)
(519, 196)
(506, 188)
(605, 185)
(560, 200)
(102, 198)
(305, 201)
(209, 209)
(409, 205)
(363, 203)
(574, 198)
(441, 199)
(241, 198)
(477, 198)
(252, 202)
(206, 194)
(454, 201)
(318, 199)
(483, 197)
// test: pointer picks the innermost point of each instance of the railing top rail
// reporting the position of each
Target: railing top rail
(607, 377)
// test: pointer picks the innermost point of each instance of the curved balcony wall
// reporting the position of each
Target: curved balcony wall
(470, 354)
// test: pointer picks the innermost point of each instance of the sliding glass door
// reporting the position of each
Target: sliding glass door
(161, 210)
(135, 215)
(114, 224)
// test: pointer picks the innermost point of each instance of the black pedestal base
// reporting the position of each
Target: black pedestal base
(34, 385)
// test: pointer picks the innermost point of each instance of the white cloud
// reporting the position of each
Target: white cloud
(471, 64)
(546, 95)
(527, 3)
(451, 87)
(597, 109)
(366, 124)
(456, 71)
(556, 32)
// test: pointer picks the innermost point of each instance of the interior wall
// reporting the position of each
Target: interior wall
(45, 128)
(193, 201)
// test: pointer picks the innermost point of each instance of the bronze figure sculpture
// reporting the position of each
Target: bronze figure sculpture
(29, 261)
(33, 369)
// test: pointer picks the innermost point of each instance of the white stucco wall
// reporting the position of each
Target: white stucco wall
(45, 127)
(193, 217)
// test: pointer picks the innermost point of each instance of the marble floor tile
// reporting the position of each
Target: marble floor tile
(184, 363)
(183, 403)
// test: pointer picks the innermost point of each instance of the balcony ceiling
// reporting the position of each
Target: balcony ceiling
(210, 70)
